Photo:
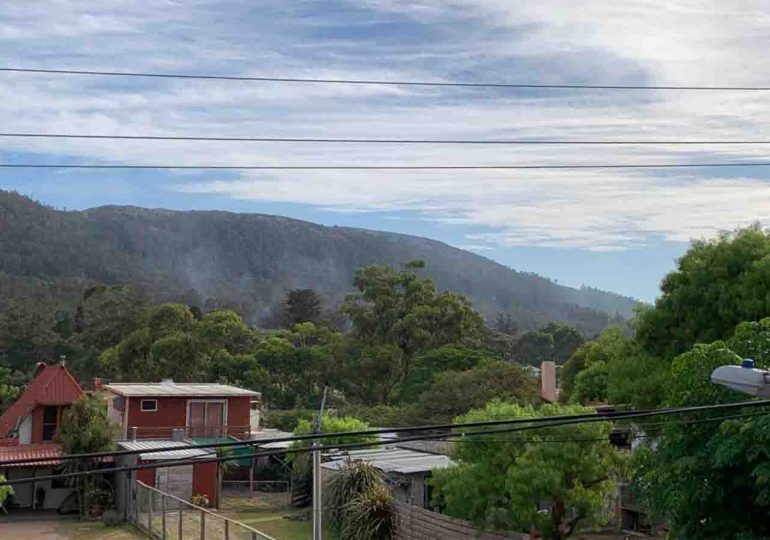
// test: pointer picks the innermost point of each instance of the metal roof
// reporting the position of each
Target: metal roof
(268, 434)
(179, 390)
(181, 453)
(31, 451)
(395, 460)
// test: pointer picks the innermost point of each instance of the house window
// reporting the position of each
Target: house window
(149, 405)
(50, 422)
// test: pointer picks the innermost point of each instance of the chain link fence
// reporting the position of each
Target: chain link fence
(163, 516)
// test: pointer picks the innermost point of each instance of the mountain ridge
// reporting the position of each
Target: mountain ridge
(218, 258)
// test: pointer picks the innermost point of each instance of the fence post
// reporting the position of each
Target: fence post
(254, 536)
(179, 532)
(150, 497)
(203, 525)
(227, 529)
(163, 519)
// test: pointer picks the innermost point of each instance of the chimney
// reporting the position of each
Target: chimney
(97, 384)
(39, 367)
(167, 382)
(548, 391)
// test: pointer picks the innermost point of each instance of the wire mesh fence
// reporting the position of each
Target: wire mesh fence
(162, 516)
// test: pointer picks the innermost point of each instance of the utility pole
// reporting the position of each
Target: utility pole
(317, 495)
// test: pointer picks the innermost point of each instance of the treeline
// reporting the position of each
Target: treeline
(706, 475)
(398, 344)
(247, 262)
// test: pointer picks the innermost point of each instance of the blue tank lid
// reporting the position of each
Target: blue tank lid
(748, 363)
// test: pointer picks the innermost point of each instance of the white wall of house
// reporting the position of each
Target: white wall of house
(25, 430)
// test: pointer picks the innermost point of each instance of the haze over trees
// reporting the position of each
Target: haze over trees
(249, 262)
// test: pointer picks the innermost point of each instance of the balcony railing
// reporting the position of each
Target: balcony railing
(185, 432)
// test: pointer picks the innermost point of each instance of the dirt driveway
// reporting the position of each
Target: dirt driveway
(52, 527)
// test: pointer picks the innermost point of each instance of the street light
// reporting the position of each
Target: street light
(744, 378)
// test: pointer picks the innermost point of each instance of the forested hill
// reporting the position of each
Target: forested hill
(249, 261)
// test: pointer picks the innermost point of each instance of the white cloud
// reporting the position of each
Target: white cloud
(653, 42)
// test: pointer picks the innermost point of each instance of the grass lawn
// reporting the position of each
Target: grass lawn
(271, 514)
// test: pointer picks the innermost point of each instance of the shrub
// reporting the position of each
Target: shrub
(200, 500)
(111, 518)
(370, 515)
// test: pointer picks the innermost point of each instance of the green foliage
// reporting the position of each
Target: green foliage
(554, 341)
(10, 387)
(591, 383)
(301, 305)
(370, 515)
(717, 285)
(5, 491)
(638, 380)
(425, 366)
(456, 392)
(302, 473)
(86, 427)
(370, 373)
(710, 480)
(287, 419)
(400, 308)
(502, 481)
(354, 478)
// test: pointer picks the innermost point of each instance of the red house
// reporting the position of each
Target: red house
(27, 430)
(169, 413)
(170, 410)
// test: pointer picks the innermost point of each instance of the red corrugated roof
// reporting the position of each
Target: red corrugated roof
(32, 451)
(53, 386)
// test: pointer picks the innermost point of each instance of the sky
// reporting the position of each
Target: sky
(619, 230)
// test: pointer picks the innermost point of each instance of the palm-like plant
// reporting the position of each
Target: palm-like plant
(360, 505)
(370, 515)
(227, 464)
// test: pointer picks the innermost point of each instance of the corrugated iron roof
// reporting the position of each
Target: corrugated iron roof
(181, 453)
(31, 451)
(396, 460)
(53, 386)
(179, 390)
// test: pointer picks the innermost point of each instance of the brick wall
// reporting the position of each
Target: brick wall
(414, 523)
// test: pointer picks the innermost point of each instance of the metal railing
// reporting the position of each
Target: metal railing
(163, 516)
(183, 432)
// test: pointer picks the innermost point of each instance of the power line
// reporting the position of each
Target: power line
(532, 423)
(662, 142)
(383, 82)
(389, 167)
(356, 445)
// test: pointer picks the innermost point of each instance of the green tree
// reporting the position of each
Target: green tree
(302, 471)
(86, 428)
(399, 307)
(456, 392)
(522, 482)
(425, 366)
(710, 479)
(10, 387)
(611, 346)
(301, 305)
(716, 285)
(535, 347)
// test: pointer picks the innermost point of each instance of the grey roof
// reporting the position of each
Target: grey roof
(181, 453)
(179, 389)
(396, 460)
(272, 434)
(429, 447)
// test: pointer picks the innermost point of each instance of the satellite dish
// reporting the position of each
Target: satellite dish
(744, 378)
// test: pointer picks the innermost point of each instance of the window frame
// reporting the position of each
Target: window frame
(142, 407)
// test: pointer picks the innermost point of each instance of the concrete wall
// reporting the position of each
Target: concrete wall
(415, 523)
